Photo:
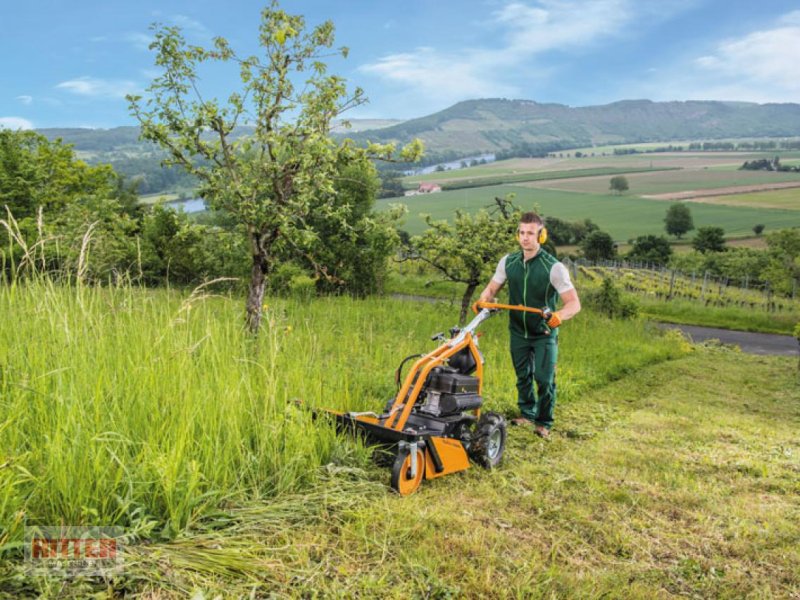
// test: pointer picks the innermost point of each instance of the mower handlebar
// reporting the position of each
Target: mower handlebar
(496, 306)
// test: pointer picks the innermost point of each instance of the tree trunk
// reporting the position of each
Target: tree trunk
(255, 294)
(465, 303)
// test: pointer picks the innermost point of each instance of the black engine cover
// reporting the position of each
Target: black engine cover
(449, 381)
(450, 404)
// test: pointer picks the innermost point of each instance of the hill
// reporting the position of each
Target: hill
(494, 125)
(505, 127)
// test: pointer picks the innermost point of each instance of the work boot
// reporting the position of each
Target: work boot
(542, 431)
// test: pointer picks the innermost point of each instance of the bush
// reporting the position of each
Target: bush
(608, 300)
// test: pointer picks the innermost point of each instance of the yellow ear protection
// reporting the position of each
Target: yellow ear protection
(542, 236)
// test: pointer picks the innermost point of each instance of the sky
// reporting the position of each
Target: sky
(71, 63)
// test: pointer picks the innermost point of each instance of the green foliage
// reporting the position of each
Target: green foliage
(35, 172)
(177, 250)
(650, 249)
(272, 180)
(619, 184)
(758, 229)
(678, 220)
(709, 239)
(598, 245)
(78, 218)
(783, 271)
(352, 249)
(467, 250)
(609, 300)
(563, 233)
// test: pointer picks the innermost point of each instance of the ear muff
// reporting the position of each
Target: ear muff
(542, 236)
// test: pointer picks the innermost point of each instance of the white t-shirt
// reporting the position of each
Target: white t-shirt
(559, 276)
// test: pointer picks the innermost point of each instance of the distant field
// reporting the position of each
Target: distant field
(687, 160)
(609, 148)
(624, 217)
(153, 198)
(787, 198)
(545, 176)
(663, 182)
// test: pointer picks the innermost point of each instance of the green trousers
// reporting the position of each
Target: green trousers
(535, 361)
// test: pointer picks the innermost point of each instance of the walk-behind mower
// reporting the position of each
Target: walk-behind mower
(434, 424)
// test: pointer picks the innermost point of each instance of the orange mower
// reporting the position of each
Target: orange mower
(434, 425)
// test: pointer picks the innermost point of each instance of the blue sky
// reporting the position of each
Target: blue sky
(70, 64)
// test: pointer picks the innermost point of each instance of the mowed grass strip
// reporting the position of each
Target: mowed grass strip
(787, 198)
(667, 483)
(624, 217)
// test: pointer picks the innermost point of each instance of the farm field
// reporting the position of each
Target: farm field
(624, 217)
(663, 182)
(786, 198)
(685, 160)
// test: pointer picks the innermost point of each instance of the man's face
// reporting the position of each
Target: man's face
(528, 235)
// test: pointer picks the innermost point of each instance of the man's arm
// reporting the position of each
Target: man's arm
(572, 304)
(490, 291)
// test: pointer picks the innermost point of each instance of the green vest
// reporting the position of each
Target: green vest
(529, 285)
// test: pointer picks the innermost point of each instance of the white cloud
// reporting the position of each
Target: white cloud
(26, 100)
(94, 87)
(448, 78)
(140, 41)
(792, 18)
(759, 66)
(15, 123)
(189, 24)
(762, 58)
(524, 30)
(559, 24)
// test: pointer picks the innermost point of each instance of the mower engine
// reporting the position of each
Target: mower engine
(448, 392)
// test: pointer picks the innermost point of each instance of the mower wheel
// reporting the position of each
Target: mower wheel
(402, 481)
(489, 440)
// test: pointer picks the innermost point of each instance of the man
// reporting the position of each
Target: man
(537, 280)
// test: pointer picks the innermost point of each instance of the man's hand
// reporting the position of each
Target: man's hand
(552, 319)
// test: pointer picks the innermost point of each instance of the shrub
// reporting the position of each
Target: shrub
(608, 300)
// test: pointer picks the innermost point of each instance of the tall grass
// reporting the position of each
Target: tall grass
(152, 409)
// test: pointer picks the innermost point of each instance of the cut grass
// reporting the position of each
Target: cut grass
(669, 482)
(787, 198)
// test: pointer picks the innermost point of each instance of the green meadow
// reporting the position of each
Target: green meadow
(155, 411)
(676, 181)
(152, 408)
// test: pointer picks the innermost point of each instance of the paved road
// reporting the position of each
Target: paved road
(753, 343)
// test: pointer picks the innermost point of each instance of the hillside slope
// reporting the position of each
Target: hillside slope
(498, 124)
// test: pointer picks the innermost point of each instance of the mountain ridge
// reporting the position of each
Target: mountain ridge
(499, 124)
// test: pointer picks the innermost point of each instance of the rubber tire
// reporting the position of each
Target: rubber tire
(402, 482)
(489, 440)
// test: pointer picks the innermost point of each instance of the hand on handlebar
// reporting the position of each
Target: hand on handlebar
(553, 319)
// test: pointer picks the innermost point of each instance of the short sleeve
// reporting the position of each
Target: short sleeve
(559, 278)
(499, 276)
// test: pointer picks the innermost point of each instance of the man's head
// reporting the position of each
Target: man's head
(530, 225)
